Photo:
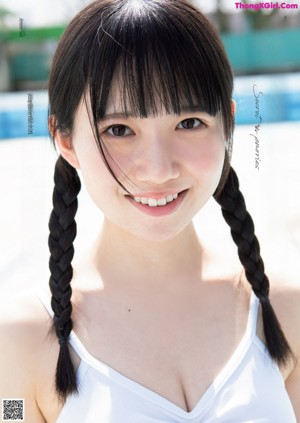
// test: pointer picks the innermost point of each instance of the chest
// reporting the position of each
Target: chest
(175, 349)
(109, 397)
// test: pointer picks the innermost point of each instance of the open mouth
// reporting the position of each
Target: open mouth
(152, 202)
(158, 206)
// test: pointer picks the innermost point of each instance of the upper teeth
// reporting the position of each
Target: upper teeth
(152, 202)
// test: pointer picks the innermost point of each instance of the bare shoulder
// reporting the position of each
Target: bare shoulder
(24, 338)
(285, 298)
(23, 321)
(24, 307)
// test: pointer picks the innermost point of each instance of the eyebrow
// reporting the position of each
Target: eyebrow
(122, 115)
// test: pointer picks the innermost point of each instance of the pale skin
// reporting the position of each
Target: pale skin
(169, 292)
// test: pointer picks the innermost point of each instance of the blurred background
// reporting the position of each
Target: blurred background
(264, 50)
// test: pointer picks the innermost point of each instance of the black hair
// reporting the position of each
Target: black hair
(62, 228)
(164, 54)
(241, 224)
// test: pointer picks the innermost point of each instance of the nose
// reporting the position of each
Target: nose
(156, 161)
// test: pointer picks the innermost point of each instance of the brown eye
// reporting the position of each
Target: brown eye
(190, 123)
(119, 130)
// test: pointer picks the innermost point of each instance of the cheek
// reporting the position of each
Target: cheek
(122, 160)
(203, 159)
(97, 178)
(206, 157)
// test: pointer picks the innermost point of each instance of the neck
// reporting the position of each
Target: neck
(121, 257)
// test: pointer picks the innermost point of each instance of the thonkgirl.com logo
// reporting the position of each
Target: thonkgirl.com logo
(266, 5)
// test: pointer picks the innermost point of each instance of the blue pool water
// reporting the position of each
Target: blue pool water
(23, 114)
(267, 98)
(276, 98)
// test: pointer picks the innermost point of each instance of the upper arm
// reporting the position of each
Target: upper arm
(287, 307)
(19, 358)
(293, 388)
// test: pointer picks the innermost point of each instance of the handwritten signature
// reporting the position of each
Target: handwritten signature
(257, 127)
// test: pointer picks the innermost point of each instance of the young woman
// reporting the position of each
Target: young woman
(154, 328)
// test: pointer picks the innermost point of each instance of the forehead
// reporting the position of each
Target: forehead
(121, 100)
(155, 69)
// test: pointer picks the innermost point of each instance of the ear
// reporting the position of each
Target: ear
(64, 144)
(233, 107)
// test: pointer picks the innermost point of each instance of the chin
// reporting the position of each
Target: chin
(160, 234)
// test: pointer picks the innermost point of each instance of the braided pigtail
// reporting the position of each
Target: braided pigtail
(62, 234)
(242, 230)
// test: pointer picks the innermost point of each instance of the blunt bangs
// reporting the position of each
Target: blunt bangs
(163, 55)
(161, 59)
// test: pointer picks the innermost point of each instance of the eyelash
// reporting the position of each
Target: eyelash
(112, 127)
(192, 119)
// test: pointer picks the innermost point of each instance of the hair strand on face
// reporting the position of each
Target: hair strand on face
(164, 55)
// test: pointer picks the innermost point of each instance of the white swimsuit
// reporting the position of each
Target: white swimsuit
(249, 389)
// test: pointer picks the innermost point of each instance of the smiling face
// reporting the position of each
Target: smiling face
(157, 84)
(170, 164)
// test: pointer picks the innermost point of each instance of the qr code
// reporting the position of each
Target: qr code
(13, 410)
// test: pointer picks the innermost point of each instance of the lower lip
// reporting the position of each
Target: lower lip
(157, 211)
